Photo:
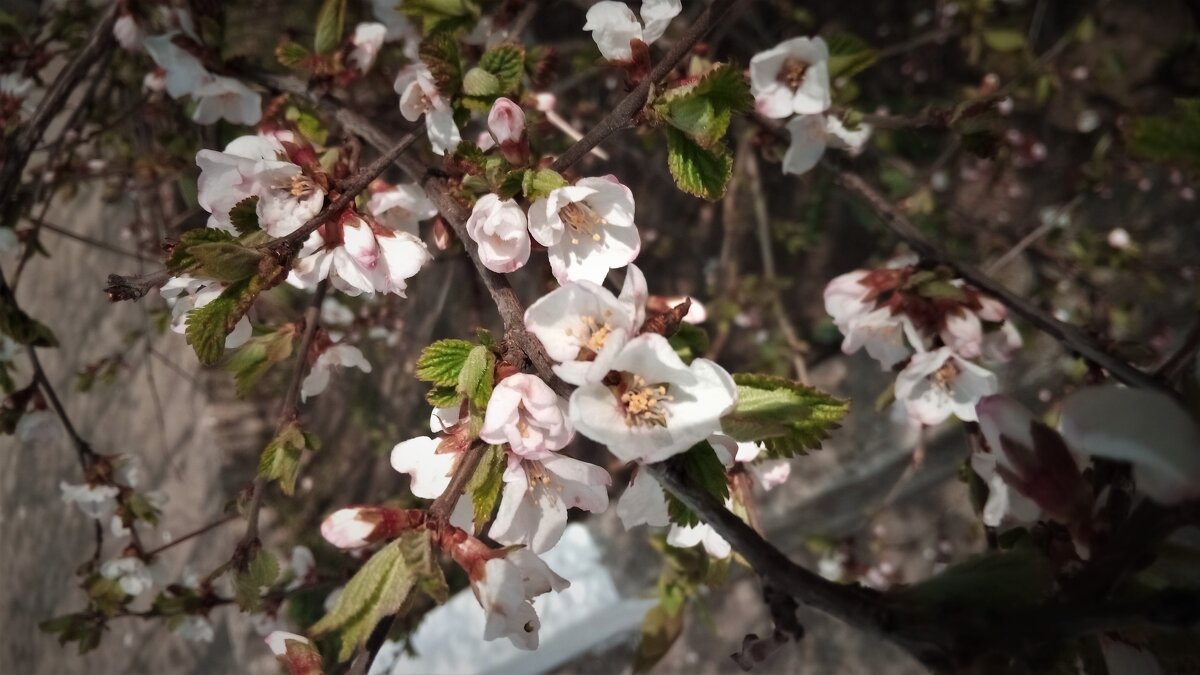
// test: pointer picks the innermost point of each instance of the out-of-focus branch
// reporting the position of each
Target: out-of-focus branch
(1070, 336)
(17, 153)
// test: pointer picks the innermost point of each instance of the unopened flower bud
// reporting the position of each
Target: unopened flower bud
(506, 122)
(295, 652)
(358, 526)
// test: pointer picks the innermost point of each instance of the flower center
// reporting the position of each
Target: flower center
(582, 219)
(792, 72)
(301, 186)
(945, 376)
(600, 333)
(645, 403)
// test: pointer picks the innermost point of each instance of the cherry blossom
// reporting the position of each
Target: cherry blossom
(430, 470)
(360, 256)
(613, 25)
(398, 25)
(1145, 428)
(419, 96)
(583, 326)
(401, 207)
(131, 574)
(811, 134)
(506, 589)
(526, 413)
(185, 293)
(95, 501)
(538, 492)
(195, 628)
(341, 356)
(881, 333)
(506, 126)
(349, 528)
(658, 407)
(1001, 416)
(688, 536)
(643, 503)
(366, 42)
(937, 384)
(791, 78)
(587, 227)
(498, 226)
(257, 166)
(128, 33)
(217, 96)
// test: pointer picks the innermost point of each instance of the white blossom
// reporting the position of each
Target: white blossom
(659, 407)
(524, 412)
(499, 227)
(419, 96)
(643, 502)
(430, 470)
(937, 384)
(368, 258)
(132, 575)
(340, 355)
(613, 25)
(791, 78)
(812, 134)
(506, 591)
(95, 501)
(402, 207)
(128, 33)
(226, 98)
(366, 42)
(687, 537)
(195, 629)
(1001, 416)
(588, 229)
(537, 494)
(347, 528)
(257, 166)
(583, 326)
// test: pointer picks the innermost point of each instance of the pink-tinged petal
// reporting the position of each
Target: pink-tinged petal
(430, 471)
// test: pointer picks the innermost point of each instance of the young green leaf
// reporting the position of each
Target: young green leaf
(481, 83)
(505, 62)
(292, 55)
(249, 363)
(441, 362)
(475, 378)
(280, 460)
(787, 417)
(331, 22)
(181, 259)
(249, 583)
(702, 109)
(440, 54)
(702, 468)
(540, 183)
(442, 16)
(1171, 138)
(696, 170)
(486, 484)
(22, 328)
(225, 261)
(244, 216)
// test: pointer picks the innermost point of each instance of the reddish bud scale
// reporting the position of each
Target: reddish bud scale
(301, 659)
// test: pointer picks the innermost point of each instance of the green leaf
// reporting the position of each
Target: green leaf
(249, 583)
(505, 62)
(22, 328)
(689, 342)
(181, 259)
(696, 170)
(331, 21)
(1004, 40)
(479, 82)
(291, 54)
(441, 362)
(244, 216)
(443, 396)
(486, 484)
(280, 460)
(225, 261)
(702, 109)
(308, 123)
(380, 588)
(849, 55)
(475, 377)
(440, 54)
(249, 363)
(540, 183)
(789, 418)
(701, 466)
(660, 630)
(442, 16)
(1173, 138)
(207, 326)
(995, 582)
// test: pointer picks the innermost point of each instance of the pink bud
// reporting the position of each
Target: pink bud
(295, 652)
(349, 528)
(506, 121)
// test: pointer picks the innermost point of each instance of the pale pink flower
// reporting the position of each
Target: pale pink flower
(506, 590)
(348, 528)
(588, 229)
(791, 78)
(366, 42)
(341, 356)
(419, 96)
(537, 494)
(526, 413)
(613, 25)
(499, 227)
(937, 384)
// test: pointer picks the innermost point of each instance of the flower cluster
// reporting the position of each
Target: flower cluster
(587, 229)
(935, 327)
(791, 82)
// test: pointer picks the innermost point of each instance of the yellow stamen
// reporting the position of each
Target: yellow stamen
(301, 186)
(644, 403)
(582, 219)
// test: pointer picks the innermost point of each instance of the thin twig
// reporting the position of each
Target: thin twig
(63, 232)
(192, 535)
